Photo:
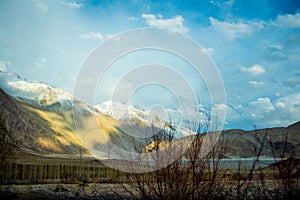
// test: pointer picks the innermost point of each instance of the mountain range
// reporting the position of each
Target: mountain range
(50, 121)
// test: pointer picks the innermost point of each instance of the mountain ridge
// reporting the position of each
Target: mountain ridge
(51, 129)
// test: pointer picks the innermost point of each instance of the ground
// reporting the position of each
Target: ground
(66, 191)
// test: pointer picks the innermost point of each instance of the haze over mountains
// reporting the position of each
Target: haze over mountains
(46, 120)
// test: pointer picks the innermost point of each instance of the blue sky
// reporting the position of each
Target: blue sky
(254, 44)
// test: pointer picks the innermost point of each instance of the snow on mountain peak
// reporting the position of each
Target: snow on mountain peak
(41, 93)
(130, 114)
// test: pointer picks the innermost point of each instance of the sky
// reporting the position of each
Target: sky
(255, 46)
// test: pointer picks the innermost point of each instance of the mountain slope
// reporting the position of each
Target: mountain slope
(36, 129)
(38, 93)
(47, 120)
(278, 142)
(145, 123)
(45, 132)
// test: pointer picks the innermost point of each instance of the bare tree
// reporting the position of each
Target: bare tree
(8, 148)
(194, 175)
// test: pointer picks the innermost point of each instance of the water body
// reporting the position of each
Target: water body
(242, 164)
(245, 163)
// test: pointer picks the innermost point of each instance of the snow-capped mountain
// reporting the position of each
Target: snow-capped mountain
(38, 92)
(50, 120)
(39, 119)
(129, 113)
(141, 117)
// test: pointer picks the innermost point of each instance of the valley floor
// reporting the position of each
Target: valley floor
(66, 191)
(112, 191)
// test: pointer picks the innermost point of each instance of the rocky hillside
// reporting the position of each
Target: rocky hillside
(37, 130)
(45, 120)
(278, 142)
(49, 131)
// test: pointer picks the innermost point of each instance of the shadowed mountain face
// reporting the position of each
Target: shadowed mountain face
(50, 131)
(38, 131)
(278, 142)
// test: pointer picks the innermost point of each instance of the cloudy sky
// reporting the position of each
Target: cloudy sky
(254, 44)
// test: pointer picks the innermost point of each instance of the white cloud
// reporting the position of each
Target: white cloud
(259, 109)
(266, 113)
(174, 24)
(254, 70)
(262, 105)
(288, 21)
(234, 30)
(287, 110)
(219, 110)
(280, 105)
(73, 4)
(209, 51)
(92, 36)
(256, 84)
(292, 102)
